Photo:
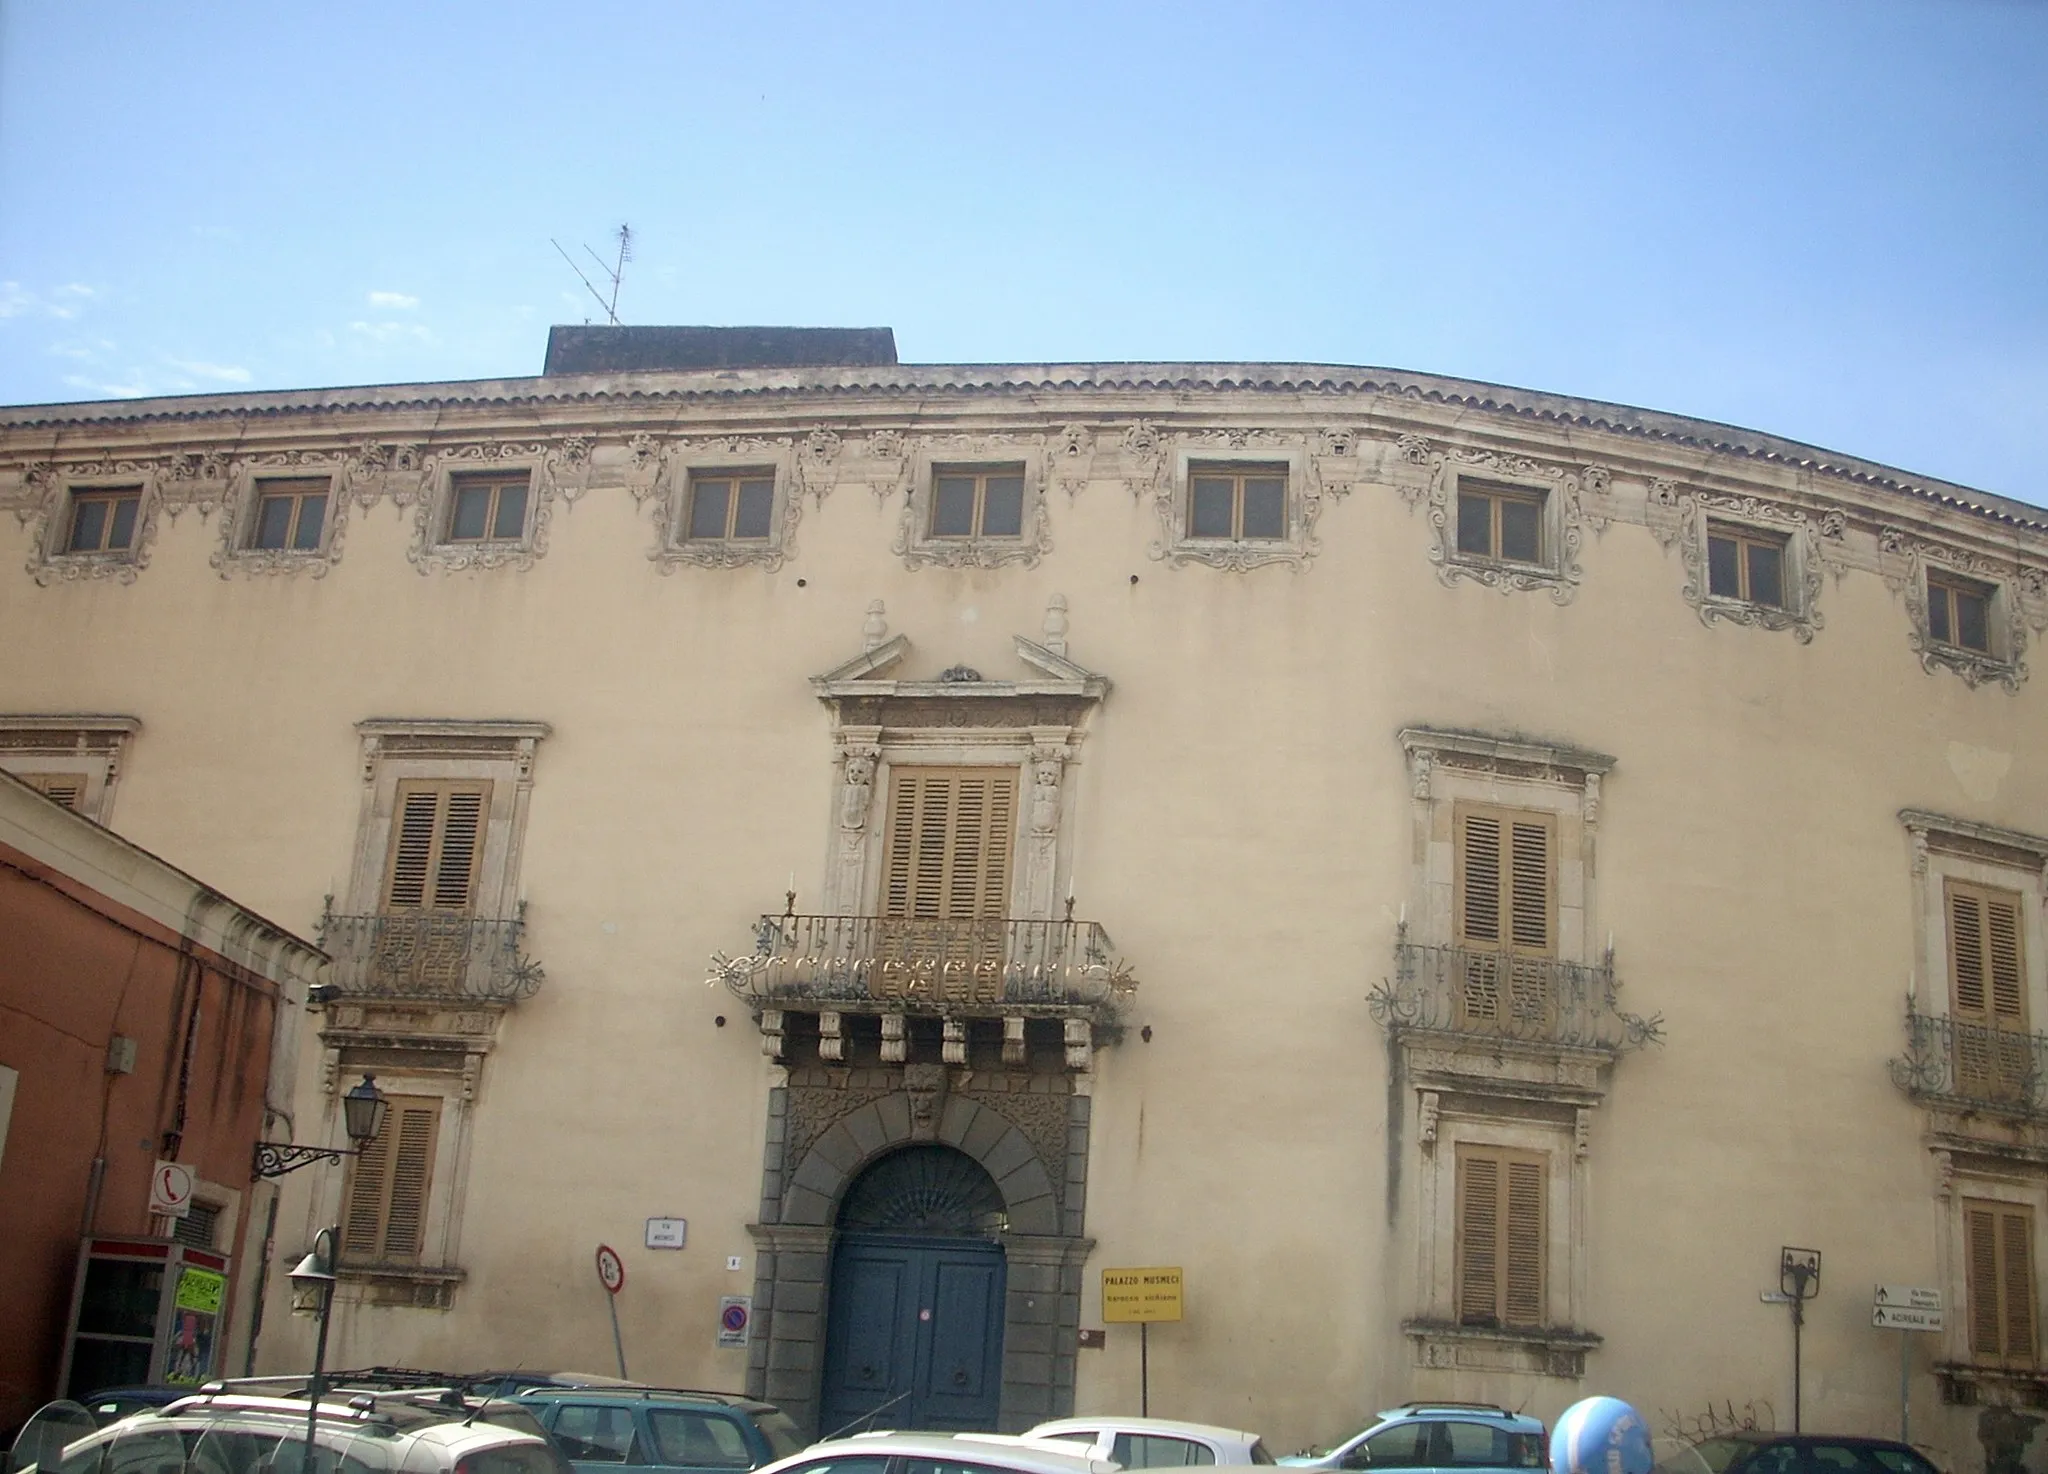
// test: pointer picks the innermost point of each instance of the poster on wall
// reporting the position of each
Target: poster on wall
(195, 1313)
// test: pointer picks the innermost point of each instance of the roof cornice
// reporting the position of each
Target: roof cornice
(611, 393)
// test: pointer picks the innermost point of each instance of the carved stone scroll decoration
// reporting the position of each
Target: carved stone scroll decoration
(817, 463)
(194, 481)
(1800, 613)
(916, 544)
(1562, 489)
(245, 480)
(668, 491)
(433, 552)
(882, 461)
(44, 502)
(1073, 459)
(1904, 561)
(1663, 512)
(1170, 468)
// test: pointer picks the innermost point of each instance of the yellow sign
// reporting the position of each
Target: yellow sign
(202, 1290)
(1131, 1296)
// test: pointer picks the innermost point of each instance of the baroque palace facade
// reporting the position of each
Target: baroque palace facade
(1467, 875)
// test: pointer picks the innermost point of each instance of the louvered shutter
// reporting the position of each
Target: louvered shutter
(2016, 1283)
(436, 844)
(1506, 886)
(385, 1218)
(67, 789)
(1988, 992)
(1500, 1237)
(1478, 1240)
(1522, 1297)
(950, 835)
(1987, 1324)
(1999, 1265)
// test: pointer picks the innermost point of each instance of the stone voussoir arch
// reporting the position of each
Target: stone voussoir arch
(862, 1137)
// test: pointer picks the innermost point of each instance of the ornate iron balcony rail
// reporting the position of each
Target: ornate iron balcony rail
(958, 965)
(1975, 1066)
(430, 955)
(1498, 995)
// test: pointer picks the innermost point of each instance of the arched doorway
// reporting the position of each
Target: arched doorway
(914, 1325)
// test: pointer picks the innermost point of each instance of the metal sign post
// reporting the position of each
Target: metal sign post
(1906, 1309)
(611, 1273)
(1142, 1296)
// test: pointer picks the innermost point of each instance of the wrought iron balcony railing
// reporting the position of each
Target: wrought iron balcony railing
(1499, 995)
(430, 955)
(1973, 1066)
(964, 965)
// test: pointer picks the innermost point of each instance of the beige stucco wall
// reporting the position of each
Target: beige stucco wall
(1240, 815)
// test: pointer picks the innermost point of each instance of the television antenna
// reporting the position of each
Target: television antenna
(614, 273)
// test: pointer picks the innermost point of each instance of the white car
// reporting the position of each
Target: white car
(1155, 1443)
(938, 1453)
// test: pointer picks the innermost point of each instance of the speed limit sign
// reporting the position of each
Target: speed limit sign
(611, 1270)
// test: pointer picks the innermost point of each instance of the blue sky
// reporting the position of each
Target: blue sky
(1825, 219)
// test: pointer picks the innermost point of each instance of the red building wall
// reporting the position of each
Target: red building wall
(76, 970)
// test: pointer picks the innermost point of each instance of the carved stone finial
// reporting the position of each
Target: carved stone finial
(1056, 624)
(955, 675)
(874, 629)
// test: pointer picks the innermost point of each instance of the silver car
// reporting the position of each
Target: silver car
(1155, 1443)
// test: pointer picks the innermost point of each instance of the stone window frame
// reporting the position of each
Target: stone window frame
(1472, 1121)
(1564, 520)
(447, 1070)
(1702, 512)
(90, 747)
(244, 500)
(500, 752)
(50, 563)
(2019, 602)
(1448, 769)
(1947, 849)
(1984, 1180)
(670, 495)
(916, 544)
(432, 552)
(1172, 492)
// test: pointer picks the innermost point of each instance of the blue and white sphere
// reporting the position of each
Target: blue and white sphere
(1601, 1435)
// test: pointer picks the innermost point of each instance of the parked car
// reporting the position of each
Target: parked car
(1155, 1443)
(607, 1428)
(1460, 1436)
(228, 1432)
(939, 1453)
(1797, 1453)
(111, 1404)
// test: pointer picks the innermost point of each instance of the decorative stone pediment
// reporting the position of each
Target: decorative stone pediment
(1057, 689)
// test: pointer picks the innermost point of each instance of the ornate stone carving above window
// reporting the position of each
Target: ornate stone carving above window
(1725, 537)
(1984, 644)
(1163, 466)
(1535, 522)
(677, 475)
(290, 473)
(552, 469)
(47, 504)
(920, 536)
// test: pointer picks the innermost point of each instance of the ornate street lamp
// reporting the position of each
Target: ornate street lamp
(362, 1117)
(314, 1276)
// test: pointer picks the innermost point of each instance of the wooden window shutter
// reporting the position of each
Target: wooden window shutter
(950, 835)
(1999, 1269)
(436, 846)
(1507, 881)
(1500, 1248)
(386, 1213)
(67, 789)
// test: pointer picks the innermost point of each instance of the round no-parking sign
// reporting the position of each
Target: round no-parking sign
(611, 1270)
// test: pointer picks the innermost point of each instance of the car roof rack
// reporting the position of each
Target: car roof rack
(635, 1389)
(1431, 1404)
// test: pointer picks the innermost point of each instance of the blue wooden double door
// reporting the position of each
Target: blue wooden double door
(913, 1333)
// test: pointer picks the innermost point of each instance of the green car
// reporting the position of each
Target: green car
(608, 1430)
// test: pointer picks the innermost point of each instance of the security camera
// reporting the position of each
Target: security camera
(321, 994)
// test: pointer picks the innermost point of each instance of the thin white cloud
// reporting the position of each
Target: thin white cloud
(62, 302)
(393, 300)
(111, 391)
(385, 332)
(226, 373)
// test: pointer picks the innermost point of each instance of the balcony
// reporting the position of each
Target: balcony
(1497, 996)
(1973, 1067)
(429, 957)
(967, 967)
